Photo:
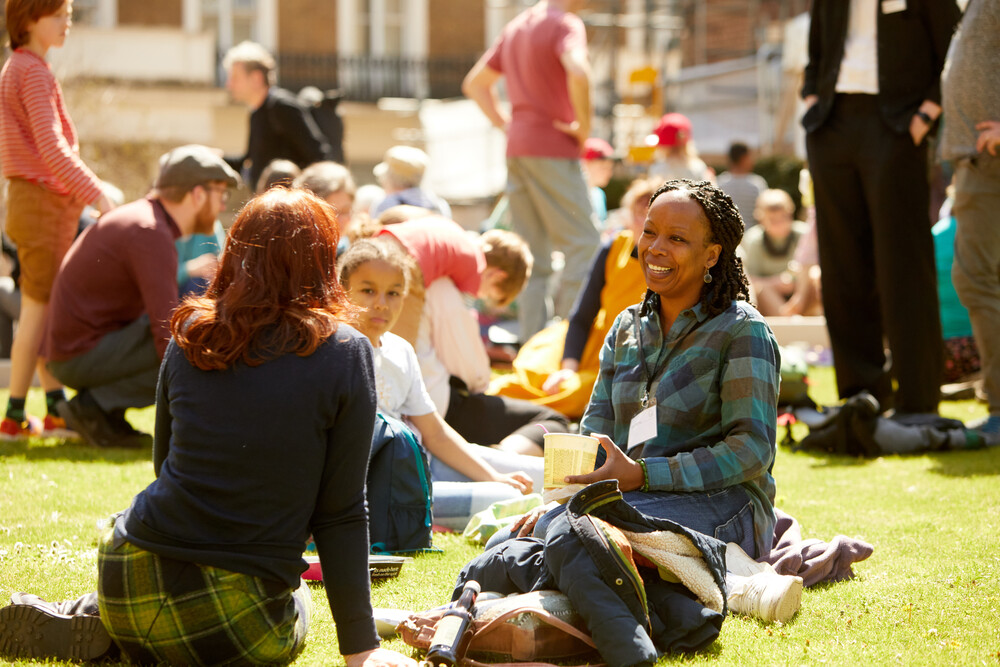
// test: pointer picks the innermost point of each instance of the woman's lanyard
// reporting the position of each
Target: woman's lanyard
(661, 360)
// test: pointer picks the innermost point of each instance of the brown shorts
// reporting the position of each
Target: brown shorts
(42, 224)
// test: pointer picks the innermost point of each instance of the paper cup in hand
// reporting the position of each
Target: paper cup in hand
(568, 454)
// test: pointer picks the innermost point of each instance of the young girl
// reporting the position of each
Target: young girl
(374, 273)
(49, 186)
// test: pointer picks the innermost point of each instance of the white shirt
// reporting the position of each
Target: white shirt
(449, 343)
(399, 387)
(859, 68)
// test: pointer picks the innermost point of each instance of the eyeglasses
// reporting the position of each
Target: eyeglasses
(221, 190)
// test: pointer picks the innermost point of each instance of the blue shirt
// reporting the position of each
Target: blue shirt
(716, 401)
(955, 321)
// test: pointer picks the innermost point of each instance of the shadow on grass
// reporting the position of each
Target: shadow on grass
(824, 460)
(38, 449)
(975, 463)
(968, 463)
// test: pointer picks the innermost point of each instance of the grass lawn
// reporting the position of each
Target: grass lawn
(929, 595)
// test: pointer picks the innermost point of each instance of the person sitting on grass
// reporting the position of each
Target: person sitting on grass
(557, 367)
(264, 417)
(769, 249)
(687, 393)
(375, 275)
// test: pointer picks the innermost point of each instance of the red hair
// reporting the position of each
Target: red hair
(19, 13)
(276, 290)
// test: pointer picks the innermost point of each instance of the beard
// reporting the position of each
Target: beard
(204, 219)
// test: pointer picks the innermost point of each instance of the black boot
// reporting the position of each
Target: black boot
(85, 416)
(31, 627)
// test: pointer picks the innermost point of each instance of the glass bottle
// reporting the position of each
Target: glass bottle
(454, 630)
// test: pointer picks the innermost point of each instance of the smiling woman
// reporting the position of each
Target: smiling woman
(688, 382)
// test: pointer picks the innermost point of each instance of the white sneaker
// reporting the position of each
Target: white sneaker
(756, 590)
(739, 562)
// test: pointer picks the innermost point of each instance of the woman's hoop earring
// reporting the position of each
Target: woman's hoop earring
(708, 276)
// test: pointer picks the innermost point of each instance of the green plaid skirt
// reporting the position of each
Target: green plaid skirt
(159, 609)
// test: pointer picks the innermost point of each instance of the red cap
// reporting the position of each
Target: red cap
(597, 149)
(674, 129)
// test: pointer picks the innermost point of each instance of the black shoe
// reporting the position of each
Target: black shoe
(36, 630)
(122, 426)
(85, 416)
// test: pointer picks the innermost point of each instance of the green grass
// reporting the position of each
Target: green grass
(929, 595)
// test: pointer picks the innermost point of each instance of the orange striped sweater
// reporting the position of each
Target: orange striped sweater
(37, 139)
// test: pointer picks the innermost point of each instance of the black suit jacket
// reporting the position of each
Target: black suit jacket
(912, 45)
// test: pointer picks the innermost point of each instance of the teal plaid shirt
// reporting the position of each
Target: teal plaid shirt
(716, 401)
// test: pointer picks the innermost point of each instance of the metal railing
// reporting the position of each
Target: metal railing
(366, 78)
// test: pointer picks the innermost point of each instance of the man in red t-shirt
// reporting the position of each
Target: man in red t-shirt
(542, 55)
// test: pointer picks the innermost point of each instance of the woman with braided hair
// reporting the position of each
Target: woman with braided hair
(685, 401)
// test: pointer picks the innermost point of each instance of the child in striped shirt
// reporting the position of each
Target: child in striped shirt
(48, 187)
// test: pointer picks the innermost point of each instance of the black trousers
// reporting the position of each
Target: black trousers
(876, 252)
(486, 420)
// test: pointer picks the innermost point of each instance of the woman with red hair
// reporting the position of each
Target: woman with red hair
(264, 416)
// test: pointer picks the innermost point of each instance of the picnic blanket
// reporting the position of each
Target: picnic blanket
(814, 560)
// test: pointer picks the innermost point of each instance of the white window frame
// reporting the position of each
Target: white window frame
(415, 35)
(415, 38)
(264, 27)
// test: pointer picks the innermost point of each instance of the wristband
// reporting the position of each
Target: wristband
(924, 116)
(645, 476)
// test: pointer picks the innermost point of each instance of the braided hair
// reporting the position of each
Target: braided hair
(725, 227)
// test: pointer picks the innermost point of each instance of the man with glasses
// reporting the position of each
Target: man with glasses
(115, 291)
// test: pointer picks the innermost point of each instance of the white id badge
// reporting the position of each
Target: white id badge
(643, 427)
(893, 6)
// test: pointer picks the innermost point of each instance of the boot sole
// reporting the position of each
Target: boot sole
(97, 435)
(27, 631)
(786, 601)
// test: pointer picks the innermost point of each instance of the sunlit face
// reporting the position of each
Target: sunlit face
(598, 172)
(344, 203)
(215, 202)
(491, 287)
(674, 249)
(776, 221)
(51, 30)
(379, 288)
(241, 83)
(638, 209)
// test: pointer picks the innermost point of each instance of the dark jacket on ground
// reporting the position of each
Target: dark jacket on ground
(632, 621)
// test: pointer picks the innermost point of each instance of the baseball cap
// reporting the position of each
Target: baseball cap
(596, 148)
(673, 129)
(191, 165)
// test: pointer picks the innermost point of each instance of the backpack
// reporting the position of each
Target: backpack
(794, 371)
(322, 106)
(398, 489)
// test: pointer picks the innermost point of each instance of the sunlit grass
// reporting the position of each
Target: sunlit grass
(929, 595)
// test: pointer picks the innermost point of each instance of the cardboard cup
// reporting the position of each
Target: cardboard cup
(568, 454)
